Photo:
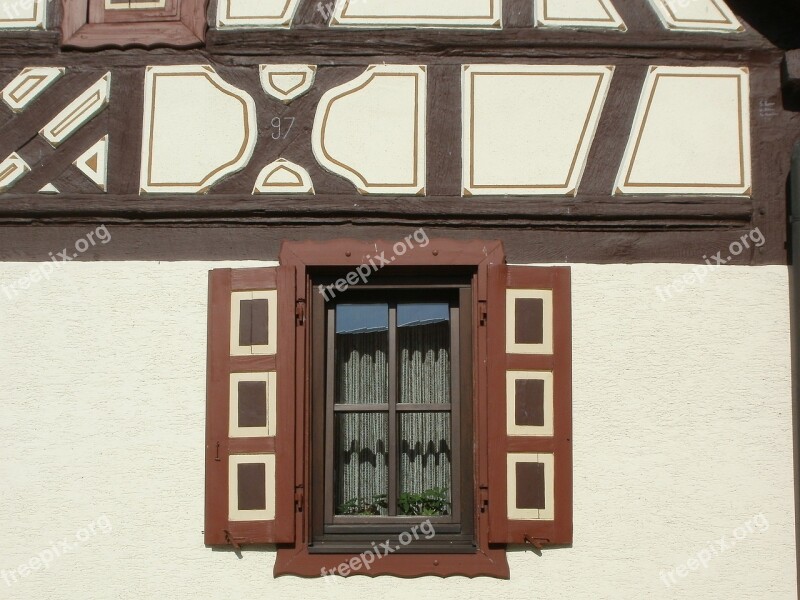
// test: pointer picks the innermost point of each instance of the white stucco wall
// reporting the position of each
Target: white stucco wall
(682, 432)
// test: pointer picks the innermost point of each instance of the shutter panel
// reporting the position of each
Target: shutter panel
(530, 405)
(250, 432)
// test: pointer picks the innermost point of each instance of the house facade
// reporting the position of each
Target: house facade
(371, 298)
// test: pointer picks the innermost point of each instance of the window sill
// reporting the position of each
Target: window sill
(301, 563)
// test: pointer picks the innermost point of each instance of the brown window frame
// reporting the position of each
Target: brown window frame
(454, 532)
(87, 24)
(305, 258)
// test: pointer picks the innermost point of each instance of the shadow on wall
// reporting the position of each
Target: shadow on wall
(776, 20)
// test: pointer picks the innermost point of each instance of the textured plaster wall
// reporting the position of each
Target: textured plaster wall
(681, 429)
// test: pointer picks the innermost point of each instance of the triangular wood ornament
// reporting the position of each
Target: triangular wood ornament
(49, 188)
(283, 177)
(94, 163)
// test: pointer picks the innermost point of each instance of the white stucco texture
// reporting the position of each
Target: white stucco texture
(682, 436)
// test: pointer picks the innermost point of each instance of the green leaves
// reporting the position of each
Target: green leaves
(429, 503)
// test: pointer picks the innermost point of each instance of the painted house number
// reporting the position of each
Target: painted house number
(280, 131)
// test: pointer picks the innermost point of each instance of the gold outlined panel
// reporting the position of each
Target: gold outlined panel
(691, 134)
(183, 151)
(578, 14)
(31, 83)
(697, 15)
(528, 129)
(486, 14)
(256, 13)
(371, 130)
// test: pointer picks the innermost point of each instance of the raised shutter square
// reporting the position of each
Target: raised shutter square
(529, 403)
(254, 317)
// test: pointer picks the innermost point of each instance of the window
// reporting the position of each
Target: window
(340, 408)
(392, 364)
(121, 23)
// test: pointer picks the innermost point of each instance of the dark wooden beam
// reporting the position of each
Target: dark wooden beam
(583, 212)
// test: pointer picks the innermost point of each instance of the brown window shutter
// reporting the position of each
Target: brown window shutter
(530, 405)
(250, 421)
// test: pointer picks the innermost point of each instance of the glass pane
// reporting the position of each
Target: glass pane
(425, 454)
(361, 354)
(361, 464)
(424, 353)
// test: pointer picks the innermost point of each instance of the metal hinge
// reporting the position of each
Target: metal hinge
(300, 312)
(484, 500)
(483, 314)
(298, 498)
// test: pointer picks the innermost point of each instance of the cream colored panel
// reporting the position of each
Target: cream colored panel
(256, 13)
(691, 134)
(79, 112)
(511, 426)
(48, 188)
(529, 514)
(287, 82)
(578, 13)
(245, 432)
(696, 15)
(528, 129)
(183, 150)
(234, 514)
(11, 170)
(414, 13)
(29, 85)
(283, 177)
(272, 323)
(546, 347)
(94, 163)
(23, 14)
(135, 6)
(371, 130)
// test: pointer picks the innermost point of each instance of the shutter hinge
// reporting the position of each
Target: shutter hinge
(300, 312)
(482, 313)
(537, 543)
(484, 500)
(231, 540)
(298, 498)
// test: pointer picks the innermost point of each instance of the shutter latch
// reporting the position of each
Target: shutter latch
(482, 313)
(231, 540)
(537, 543)
(300, 312)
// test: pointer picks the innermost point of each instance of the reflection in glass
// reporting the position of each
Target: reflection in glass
(424, 353)
(361, 353)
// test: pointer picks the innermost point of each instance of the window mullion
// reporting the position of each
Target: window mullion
(393, 391)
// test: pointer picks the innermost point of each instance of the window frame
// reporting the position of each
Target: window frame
(87, 24)
(302, 258)
(455, 532)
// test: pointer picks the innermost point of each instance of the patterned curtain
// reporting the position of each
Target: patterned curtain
(361, 455)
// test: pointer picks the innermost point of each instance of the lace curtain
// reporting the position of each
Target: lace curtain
(362, 452)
